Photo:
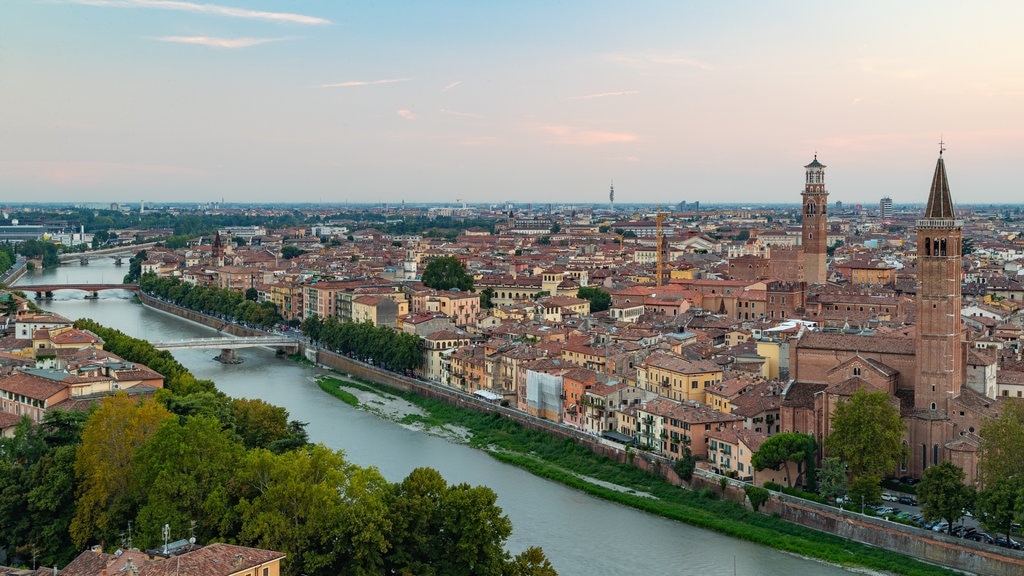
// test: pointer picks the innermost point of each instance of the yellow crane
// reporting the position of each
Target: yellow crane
(659, 247)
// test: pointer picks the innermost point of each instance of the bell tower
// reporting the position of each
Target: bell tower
(940, 365)
(815, 223)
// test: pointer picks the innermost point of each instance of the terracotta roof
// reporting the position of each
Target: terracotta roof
(857, 343)
(213, 560)
(801, 394)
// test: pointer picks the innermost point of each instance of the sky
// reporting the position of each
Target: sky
(473, 101)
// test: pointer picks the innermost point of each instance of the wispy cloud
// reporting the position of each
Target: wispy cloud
(352, 83)
(647, 60)
(450, 86)
(213, 9)
(460, 114)
(573, 136)
(219, 42)
(605, 94)
(407, 114)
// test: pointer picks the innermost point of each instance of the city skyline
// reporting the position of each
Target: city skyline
(312, 101)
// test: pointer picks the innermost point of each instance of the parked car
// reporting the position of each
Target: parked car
(907, 500)
(940, 526)
(885, 510)
(889, 497)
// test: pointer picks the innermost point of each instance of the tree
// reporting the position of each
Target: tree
(530, 562)
(445, 273)
(183, 471)
(832, 478)
(108, 491)
(325, 513)
(556, 228)
(1002, 445)
(685, 465)
(867, 434)
(135, 267)
(782, 450)
(288, 252)
(943, 494)
(441, 529)
(486, 296)
(251, 294)
(544, 240)
(599, 299)
(998, 504)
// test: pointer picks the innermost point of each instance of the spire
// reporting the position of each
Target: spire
(940, 202)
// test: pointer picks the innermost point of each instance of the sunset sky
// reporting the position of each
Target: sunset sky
(526, 101)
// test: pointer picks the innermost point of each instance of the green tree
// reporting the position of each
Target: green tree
(832, 478)
(108, 491)
(486, 296)
(135, 267)
(1002, 445)
(867, 434)
(445, 530)
(785, 449)
(999, 504)
(685, 465)
(556, 228)
(251, 294)
(325, 513)
(530, 562)
(288, 252)
(943, 494)
(183, 471)
(599, 299)
(544, 240)
(446, 272)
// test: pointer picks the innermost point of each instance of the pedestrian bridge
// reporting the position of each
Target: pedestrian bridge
(227, 343)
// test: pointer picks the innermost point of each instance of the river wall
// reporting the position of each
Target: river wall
(964, 555)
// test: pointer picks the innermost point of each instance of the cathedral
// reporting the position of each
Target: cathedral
(924, 368)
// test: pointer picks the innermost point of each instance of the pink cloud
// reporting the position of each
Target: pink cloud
(407, 114)
(579, 137)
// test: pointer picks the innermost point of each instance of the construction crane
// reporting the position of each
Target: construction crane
(659, 247)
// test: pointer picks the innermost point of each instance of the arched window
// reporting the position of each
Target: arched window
(935, 454)
(927, 246)
(942, 247)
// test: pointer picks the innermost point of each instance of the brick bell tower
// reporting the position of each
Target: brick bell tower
(815, 223)
(940, 360)
(939, 329)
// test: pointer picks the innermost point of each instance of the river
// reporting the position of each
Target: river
(581, 535)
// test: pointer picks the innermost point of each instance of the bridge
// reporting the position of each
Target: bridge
(115, 252)
(228, 346)
(47, 290)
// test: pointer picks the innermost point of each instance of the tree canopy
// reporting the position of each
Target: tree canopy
(445, 273)
(599, 299)
(1002, 444)
(867, 434)
(784, 449)
(943, 494)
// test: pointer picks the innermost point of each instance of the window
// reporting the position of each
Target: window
(856, 371)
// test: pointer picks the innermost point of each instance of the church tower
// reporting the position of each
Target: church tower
(940, 364)
(815, 223)
(940, 359)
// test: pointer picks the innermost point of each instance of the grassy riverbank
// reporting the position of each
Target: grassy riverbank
(571, 464)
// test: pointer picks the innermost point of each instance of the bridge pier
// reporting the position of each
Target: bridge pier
(228, 356)
(94, 295)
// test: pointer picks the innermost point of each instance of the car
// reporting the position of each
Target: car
(940, 526)
(889, 497)
(885, 510)
(907, 500)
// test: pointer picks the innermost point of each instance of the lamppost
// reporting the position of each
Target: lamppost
(862, 504)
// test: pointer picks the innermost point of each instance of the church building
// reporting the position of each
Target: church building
(923, 368)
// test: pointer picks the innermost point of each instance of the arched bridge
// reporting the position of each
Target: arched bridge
(228, 346)
(225, 343)
(93, 289)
